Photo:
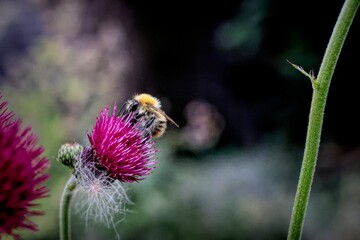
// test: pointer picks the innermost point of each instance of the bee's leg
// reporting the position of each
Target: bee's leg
(139, 115)
(149, 122)
(146, 134)
(146, 127)
(133, 121)
(136, 118)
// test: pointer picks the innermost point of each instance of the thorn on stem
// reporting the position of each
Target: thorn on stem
(310, 75)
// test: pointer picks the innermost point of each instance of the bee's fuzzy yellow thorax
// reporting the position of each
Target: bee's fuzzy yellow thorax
(147, 99)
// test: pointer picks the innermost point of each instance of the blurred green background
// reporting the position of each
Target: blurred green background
(230, 171)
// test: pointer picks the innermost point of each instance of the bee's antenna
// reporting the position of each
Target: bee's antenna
(122, 110)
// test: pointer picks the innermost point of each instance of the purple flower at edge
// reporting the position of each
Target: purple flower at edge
(121, 148)
(22, 174)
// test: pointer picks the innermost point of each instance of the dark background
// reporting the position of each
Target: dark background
(220, 70)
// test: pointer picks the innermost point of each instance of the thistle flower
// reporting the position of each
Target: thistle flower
(121, 148)
(22, 174)
(119, 152)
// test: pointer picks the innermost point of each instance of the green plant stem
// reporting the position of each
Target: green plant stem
(321, 88)
(65, 229)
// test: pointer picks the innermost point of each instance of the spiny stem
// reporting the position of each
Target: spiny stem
(65, 227)
(316, 116)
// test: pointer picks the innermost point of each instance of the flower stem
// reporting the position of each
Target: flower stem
(318, 103)
(65, 229)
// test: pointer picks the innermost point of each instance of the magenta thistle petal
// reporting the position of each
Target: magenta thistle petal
(22, 174)
(121, 148)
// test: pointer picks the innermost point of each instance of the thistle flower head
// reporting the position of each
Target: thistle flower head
(121, 148)
(120, 151)
(22, 174)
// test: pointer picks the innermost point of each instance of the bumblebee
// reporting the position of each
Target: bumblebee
(147, 110)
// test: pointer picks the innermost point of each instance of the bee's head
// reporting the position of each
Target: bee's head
(133, 105)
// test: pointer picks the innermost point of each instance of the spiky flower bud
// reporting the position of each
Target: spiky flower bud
(68, 153)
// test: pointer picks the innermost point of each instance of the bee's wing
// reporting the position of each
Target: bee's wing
(164, 114)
